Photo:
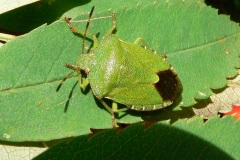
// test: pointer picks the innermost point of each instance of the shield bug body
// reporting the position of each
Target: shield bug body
(125, 72)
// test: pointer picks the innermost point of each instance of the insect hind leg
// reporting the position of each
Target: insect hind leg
(113, 110)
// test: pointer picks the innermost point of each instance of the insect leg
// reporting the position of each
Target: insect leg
(82, 84)
(109, 109)
(82, 33)
(114, 26)
(115, 108)
(114, 124)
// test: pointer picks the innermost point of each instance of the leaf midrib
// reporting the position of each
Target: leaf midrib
(179, 51)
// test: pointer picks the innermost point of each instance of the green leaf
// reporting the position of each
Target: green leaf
(48, 11)
(192, 35)
(185, 139)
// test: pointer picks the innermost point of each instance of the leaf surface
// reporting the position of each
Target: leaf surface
(48, 11)
(217, 138)
(195, 39)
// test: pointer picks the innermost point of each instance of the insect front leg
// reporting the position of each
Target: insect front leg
(82, 33)
(82, 84)
(114, 26)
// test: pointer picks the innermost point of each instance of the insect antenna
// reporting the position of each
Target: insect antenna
(60, 85)
(85, 32)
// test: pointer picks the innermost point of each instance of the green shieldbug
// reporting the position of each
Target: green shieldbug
(125, 72)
